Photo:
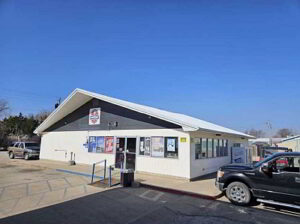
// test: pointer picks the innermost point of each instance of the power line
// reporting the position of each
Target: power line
(28, 93)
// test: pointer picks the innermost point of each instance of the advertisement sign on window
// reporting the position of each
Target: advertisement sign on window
(157, 144)
(99, 144)
(145, 146)
(92, 144)
(109, 144)
(171, 144)
(94, 116)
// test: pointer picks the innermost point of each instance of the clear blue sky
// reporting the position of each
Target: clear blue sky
(234, 63)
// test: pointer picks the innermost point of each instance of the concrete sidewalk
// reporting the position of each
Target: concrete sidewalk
(29, 185)
(204, 186)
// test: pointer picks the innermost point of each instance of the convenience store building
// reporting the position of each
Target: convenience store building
(94, 127)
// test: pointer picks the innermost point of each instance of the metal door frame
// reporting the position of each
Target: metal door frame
(125, 148)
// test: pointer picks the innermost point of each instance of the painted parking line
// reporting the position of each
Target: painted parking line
(79, 173)
(151, 195)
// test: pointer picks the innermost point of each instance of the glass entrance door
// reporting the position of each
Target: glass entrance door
(130, 153)
(126, 153)
(120, 152)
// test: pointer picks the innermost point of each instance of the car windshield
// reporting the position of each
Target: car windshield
(270, 157)
(31, 145)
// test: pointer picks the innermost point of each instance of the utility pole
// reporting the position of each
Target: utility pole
(269, 126)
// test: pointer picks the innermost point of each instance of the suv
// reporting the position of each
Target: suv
(275, 180)
(25, 150)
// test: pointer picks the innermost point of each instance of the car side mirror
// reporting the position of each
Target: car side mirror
(265, 168)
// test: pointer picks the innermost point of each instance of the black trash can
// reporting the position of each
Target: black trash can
(127, 177)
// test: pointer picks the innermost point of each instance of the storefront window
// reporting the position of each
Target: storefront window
(209, 148)
(171, 147)
(226, 148)
(215, 147)
(120, 144)
(144, 148)
(204, 148)
(197, 142)
(221, 147)
(157, 146)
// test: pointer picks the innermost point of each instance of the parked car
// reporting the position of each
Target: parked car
(24, 150)
(275, 180)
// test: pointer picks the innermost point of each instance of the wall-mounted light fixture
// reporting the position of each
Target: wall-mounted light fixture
(112, 124)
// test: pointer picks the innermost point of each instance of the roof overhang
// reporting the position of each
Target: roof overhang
(79, 97)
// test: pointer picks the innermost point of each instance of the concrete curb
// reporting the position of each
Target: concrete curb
(181, 192)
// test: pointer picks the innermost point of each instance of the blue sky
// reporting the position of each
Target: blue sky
(234, 63)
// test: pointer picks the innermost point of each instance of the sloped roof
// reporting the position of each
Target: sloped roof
(291, 138)
(79, 97)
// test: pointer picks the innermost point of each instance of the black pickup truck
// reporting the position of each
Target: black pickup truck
(275, 180)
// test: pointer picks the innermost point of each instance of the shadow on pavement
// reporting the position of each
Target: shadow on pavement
(142, 205)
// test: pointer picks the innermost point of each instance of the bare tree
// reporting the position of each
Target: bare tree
(284, 132)
(3, 107)
(41, 116)
(256, 133)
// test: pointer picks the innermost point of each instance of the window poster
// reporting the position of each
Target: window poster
(94, 116)
(109, 144)
(145, 146)
(99, 144)
(92, 144)
(157, 144)
(142, 145)
(171, 144)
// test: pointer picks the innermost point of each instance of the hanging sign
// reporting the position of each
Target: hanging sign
(94, 116)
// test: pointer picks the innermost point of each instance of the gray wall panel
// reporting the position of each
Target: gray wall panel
(127, 119)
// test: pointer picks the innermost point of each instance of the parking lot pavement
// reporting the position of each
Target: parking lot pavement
(24, 187)
(142, 205)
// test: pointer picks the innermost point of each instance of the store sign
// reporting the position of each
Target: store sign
(94, 116)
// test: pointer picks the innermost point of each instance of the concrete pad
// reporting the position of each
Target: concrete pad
(51, 197)
(38, 187)
(201, 187)
(7, 205)
(58, 184)
(75, 180)
(16, 191)
(74, 191)
(27, 203)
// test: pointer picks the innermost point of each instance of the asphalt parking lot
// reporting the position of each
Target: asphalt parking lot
(142, 205)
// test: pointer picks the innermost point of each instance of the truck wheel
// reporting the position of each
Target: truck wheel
(11, 155)
(26, 156)
(238, 193)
